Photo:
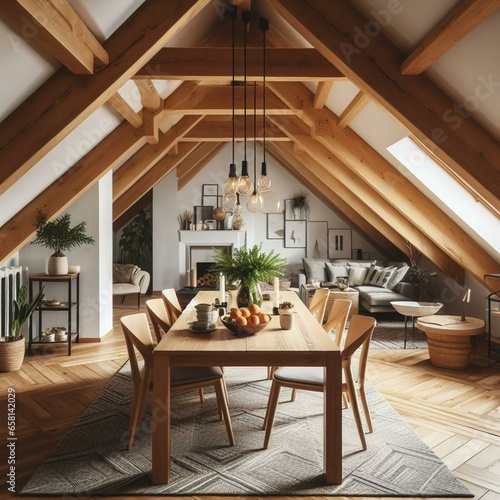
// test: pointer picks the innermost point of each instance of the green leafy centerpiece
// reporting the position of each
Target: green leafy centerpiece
(247, 267)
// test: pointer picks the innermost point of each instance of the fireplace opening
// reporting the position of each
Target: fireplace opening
(204, 279)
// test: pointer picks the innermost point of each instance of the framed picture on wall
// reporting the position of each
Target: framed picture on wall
(202, 214)
(317, 240)
(295, 233)
(212, 201)
(339, 243)
(210, 190)
(275, 226)
(288, 210)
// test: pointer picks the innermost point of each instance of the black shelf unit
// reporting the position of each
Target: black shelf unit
(492, 298)
(70, 306)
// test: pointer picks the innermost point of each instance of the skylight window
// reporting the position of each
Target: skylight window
(444, 186)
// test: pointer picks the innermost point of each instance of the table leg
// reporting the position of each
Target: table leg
(160, 435)
(406, 329)
(332, 415)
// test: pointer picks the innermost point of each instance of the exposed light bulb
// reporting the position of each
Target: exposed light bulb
(231, 183)
(264, 183)
(245, 185)
(238, 222)
(229, 202)
(255, 203)
(272, 204)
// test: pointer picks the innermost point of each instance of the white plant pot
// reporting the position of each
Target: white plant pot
(57, 266)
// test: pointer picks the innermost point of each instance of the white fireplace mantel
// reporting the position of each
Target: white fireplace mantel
(215, 238)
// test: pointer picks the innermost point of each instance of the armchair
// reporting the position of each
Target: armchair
(130, 279)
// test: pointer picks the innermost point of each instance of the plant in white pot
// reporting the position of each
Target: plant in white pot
(59, 236)
(12, 347)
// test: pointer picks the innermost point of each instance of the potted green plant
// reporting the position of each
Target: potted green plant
(300, 207)
(247, 267)
(137, 239)
(59, 236)
(12, 347)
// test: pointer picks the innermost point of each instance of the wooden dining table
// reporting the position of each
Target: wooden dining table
(306, 344)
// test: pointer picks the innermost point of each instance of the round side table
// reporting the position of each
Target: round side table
(448, 338)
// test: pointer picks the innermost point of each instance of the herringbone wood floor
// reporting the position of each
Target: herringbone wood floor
(457, 413)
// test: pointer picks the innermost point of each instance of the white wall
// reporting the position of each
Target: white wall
(168, 204)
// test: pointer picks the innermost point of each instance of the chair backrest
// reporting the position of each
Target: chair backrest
(159, 317)
(172, 303)
(318, 302)
(138, 335)
(337, 318)
(359, 334)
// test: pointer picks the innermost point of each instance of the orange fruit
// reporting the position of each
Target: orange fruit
(264, 318)
(234, 312)
(245, 312)
(253, 320)
(240, 320)
(254, 308)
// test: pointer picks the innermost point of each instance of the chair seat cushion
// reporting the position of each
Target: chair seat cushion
(125, 288)
(300, 374)
(188, 374)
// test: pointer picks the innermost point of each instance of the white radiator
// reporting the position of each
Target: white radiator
(11, 279)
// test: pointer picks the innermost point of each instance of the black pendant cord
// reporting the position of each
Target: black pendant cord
(255, 137)
(246, 19)
(264, 91)
(233, 15)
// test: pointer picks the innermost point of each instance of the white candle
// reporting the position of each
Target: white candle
(222, 280)
(276, 292)
(192, 277)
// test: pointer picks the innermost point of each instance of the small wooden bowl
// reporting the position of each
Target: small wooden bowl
(242, 330)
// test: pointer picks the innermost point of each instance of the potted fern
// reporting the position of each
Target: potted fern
(247, 268)
(59, 236)
(12, 347)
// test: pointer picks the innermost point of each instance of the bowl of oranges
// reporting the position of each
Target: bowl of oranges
(245, 321)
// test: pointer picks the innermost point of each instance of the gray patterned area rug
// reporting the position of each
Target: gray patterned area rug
(92, 458)
(391, 335)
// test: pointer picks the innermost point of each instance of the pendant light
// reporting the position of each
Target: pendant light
(245, 185)
(230, 185)
(264, 183)
(255, 203)
(238, 221)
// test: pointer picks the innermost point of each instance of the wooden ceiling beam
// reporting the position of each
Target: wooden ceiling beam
(369, 165)
(322, 93)
(215, 63)
(149, 180)
(60, 104)
(219, 129)
(217, 100)
(129, 214)
(457, 24)
(329, 165)
(125, 110)
(416, 102)
(196, 160)
(150, 98)
(57, 28)
(146, 158)
(106, 155)
(334, 194)
(352, 109)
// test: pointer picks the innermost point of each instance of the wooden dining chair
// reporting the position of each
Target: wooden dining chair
(310, 378)
(337, 318)
(317, 306)
(159, 317)
(138, 337)
(172, 303)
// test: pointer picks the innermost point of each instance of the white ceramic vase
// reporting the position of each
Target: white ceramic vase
(57, 266)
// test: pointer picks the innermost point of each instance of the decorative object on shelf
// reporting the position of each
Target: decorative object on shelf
(201, 215)
(219, 214)
(300, 207)
(185, 219)
(12, 347)
(247, 267)
(342, 283)
(285, 308)
(339, 243)
(59, 236)
(137, 239)
(419, 276)
(295, 234)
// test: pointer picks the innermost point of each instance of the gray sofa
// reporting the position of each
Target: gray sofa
(378, 283)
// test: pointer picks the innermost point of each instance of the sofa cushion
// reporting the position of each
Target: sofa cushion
(399, 274)
(315, 270)
(335, 271)
(379, 276)
(362, 263)
(378, 296)
(357, 275)
(125, 288)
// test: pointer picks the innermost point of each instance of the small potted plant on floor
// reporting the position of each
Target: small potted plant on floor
(12, 347)
(59, 236)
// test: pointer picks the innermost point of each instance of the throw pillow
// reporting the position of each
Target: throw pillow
(315, 270)
(379, 276)
(399, 274)
(357, 275)
(335, 271)
(362, 263)
(123, 272)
